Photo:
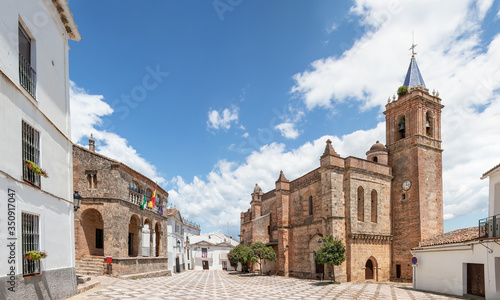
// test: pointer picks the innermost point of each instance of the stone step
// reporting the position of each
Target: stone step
(88, 285)
(93, 273)
(88, 264)
(81, 279)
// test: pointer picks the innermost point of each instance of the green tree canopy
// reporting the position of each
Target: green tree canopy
(262, 252)
(241, 254)
(332, 253)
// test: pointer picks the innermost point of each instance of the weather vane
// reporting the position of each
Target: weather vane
(413, 45)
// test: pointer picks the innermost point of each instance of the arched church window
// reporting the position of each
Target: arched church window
(375, 159)
(310, 205)
(361, 204)
(374, 204)
(402, 128)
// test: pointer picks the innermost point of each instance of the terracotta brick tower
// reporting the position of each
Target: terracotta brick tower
(413, 133)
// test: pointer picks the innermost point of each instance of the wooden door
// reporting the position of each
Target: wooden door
(369, 269)
(205, 264)
(475, 279)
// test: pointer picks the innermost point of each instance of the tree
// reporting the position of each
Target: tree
(262, 252)
(332, 253)
(240, 254)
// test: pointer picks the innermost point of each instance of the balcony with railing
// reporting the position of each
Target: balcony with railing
(27, 76)
(489, 227)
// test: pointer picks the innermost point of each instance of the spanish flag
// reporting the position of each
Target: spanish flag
(153, 198)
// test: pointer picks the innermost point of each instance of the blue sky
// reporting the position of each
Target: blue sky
(210, 97)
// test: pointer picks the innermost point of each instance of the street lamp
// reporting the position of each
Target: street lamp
(77, 200)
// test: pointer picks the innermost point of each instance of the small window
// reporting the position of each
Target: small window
(27, 75)
(31, 240)
(92, 180)
(310, 205)
(31, 152)
(398, 271)
(375, 159)
(268, 230)
(374, 204)
(361, 204)
(403, 197)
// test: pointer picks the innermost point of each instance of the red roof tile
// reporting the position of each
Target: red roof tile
(455, 236)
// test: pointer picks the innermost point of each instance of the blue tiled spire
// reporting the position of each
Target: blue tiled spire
(413, 76)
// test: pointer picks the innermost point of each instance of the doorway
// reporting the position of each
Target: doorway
(205, 264)
(177, 265)
(398, 271)
(475, 279)
(224, 265)
(369, 270)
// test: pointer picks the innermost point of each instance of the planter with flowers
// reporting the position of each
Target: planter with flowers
(36, 255)
(36, 169)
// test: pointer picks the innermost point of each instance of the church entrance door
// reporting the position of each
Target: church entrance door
(369, 269)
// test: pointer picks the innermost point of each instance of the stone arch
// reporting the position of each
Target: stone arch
(371, 269)
(92, 225)
(133, 235)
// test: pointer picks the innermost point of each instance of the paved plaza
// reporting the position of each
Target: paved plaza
(224, 285)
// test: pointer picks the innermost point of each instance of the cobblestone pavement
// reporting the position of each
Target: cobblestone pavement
(224, 285)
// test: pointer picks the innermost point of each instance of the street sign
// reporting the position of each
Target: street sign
(414, 260)
(109, 259)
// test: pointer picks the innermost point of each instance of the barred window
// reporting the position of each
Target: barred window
(31, 240)
(31, 152)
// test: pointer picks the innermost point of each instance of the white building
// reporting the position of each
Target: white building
(177, 254)
(36, 213)
(464, 261)
(190, 229)
(210, 251)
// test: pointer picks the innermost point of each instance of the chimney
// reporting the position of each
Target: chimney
(91, 143)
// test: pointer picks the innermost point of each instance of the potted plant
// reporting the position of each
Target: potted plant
(36, 169)
(36, 255)
(402, 90)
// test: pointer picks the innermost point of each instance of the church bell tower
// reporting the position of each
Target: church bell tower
(413, 135)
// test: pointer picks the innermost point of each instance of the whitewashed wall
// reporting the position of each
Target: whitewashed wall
(49, 114)
(444, 268)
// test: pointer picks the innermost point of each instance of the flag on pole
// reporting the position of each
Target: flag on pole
(160, 209)
(153, 199)
(143, 203)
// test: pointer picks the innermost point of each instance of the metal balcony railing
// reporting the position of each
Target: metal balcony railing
(27, 76)
(489, 227)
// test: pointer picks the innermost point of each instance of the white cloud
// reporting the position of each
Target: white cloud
(288, 130)
(86, 111)
(332, 28)
(222, 120)
(451, 57)
(245, 135)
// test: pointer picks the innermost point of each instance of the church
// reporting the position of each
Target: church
(380, 206)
